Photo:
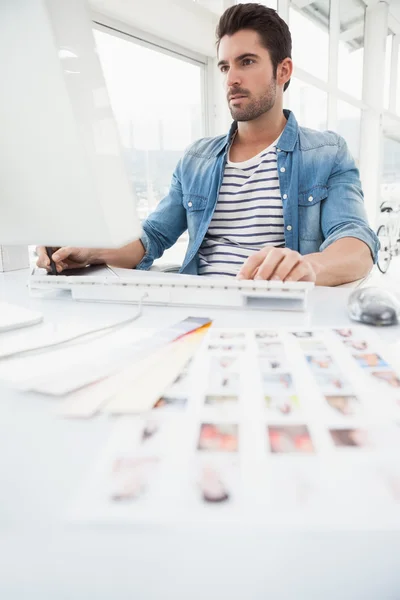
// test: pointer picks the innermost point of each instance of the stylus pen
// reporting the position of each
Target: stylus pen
(49, 251)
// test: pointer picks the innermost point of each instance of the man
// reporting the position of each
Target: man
(271, 200)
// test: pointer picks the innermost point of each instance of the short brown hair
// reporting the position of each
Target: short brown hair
(273, 31)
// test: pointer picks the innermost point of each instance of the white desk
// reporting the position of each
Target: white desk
(43, 461)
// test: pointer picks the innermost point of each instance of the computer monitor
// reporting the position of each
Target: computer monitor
(62, 175)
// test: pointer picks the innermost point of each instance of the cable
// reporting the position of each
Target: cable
(79, 336)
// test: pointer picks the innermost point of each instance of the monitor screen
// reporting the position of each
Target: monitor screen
(62, 175)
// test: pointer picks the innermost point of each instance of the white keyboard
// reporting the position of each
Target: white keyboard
(149, 287)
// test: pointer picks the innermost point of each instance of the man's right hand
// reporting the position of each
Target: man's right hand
(64, 258)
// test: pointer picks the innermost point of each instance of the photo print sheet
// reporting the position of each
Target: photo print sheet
(281, 429)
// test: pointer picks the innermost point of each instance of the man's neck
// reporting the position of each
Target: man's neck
(262, 132)
(252, 137)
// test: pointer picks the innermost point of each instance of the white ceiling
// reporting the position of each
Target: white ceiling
(215, 6)
(180, 22)
(351, 14)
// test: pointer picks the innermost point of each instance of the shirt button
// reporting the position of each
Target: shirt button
(278, 149)
(310, 198)
(190, 204)
(289, 228)
(282, 169)
(284, 196)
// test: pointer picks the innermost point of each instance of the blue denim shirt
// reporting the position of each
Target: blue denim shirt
(320, 188)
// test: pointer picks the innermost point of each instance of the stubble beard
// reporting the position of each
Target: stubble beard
(257, 107)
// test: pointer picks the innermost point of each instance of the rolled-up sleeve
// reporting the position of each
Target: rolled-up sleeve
(343, 212)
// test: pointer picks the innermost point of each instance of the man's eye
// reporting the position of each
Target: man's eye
(248, 61)
(224, 69)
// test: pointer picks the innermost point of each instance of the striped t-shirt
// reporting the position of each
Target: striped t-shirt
(247, 217)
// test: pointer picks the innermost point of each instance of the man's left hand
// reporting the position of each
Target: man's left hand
(278, 264)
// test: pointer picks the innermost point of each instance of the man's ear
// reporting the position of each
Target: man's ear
(284, 71)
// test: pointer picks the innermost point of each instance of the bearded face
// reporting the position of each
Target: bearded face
(249, 77)
(246, 106)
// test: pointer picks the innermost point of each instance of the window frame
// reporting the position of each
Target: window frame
(374, 117)
(134, 35)
(212, 109)
(330, 86)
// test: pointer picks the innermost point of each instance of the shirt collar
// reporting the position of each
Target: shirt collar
(288, 138)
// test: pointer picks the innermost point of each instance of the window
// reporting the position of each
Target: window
(308, 103)
(351, 47)
(398, 84)
(349, 125)
(390, 186)
(388, 62)
(156, 100)
(310, 37)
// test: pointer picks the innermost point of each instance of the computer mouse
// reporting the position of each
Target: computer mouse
(374, 306)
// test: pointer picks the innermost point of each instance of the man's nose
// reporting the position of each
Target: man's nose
(233, 78)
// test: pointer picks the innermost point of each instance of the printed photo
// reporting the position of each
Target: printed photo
(213, 485)
(271, 364)
(388, 377)
(303, 334)
(282, 405)
(319, 361)
(224, 381)
(356, 344)
(344, 405)
(329, 381)
(262, 335)
(232, 335)
(270, 348)
(344, 333)
(224, 362)
(228, 335)
(224, 374)
(285, 439)
(218, 438)
(350, 438)
(224, 347)
(130, 477)
(150, 430)
(221, 400)
(312, 346)
(170, 403)
(276, 383)
(370, 360)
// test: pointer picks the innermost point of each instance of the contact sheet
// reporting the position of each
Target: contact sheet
(285, 428)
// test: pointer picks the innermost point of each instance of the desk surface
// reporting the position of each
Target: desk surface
(44, 460)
